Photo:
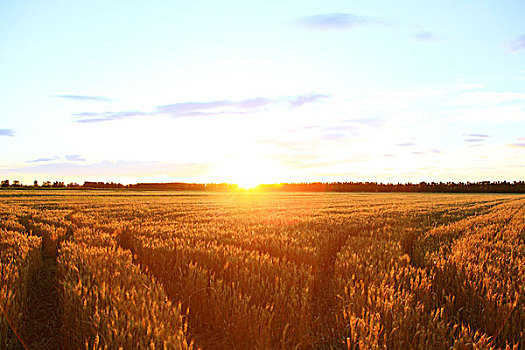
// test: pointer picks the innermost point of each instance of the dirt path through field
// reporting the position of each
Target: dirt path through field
(42, 311)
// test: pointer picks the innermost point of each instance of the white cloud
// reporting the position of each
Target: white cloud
(488, 114)
(462, 85)
(489, 97)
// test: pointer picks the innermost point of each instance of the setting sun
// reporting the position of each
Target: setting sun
(248, 184)
(248, 173)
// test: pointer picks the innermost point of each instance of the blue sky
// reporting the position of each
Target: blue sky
(249, 91)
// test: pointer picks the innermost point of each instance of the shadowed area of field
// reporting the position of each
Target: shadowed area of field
(41, 318)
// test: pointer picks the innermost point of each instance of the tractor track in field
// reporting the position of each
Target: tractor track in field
(41, 314)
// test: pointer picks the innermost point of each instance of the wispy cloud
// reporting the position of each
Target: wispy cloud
(463, 85)
(300, 100)
(518, 43)
(371, 122)
(48, 159)
(309, 161)
(303, 128)
(517, 144)
(7, 132)
(252, 105)
(184, 109)
(489, 97)
(334, 136)
(298, 164)
(428, 151)
(426, 36)
(354, 125)
(75, 158)
(207, 108)
(93, 117)
(406, 144)
(85, 98)
(478, 135)
(71, 158)
(292, 145)
(335, 21)
(474, 140)
(339, 128)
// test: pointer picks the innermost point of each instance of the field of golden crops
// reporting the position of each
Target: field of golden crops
(182, 270)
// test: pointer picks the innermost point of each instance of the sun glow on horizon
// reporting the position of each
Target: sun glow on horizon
(248, 185)
(248, 173)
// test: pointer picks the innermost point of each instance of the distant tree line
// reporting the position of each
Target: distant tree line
(434, 187)
(89, 184)
(182, 186)
(438, 187)
(55, 184)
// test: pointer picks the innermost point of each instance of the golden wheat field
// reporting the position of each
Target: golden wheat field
(181, 270)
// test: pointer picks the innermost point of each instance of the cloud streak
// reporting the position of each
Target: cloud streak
(426, 36)
(334, 136)
(353, 125)
(335, 21)
(474, 140)
(92, 117)
(184, 109)
(300, 100)
(490, 97)
(518, 43)
(48, 159)
(70, 157)
(7, 132)
(517, 145)
(75, 158)
(85, 98)
(300, 146)
(428, 151)
(207, 108)
(478, 135)
(371, 122)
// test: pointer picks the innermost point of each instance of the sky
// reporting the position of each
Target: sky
(253, 92)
